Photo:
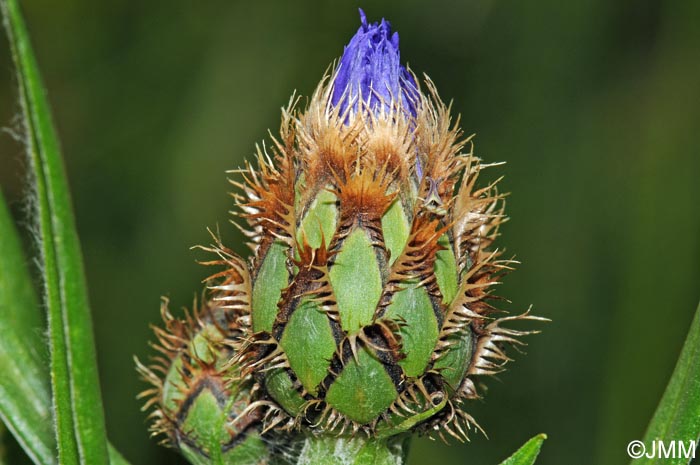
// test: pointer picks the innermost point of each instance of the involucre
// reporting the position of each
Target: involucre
(371, 302)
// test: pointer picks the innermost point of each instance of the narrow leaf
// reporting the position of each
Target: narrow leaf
(78, 412)
(25, 401)
(115, 458)
(677, 417)
(2, 444)
(528, 453)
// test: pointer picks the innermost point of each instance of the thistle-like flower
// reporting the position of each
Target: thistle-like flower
(371, 302)
(367, 304)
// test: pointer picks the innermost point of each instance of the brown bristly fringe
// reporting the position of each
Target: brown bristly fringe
(173, 341)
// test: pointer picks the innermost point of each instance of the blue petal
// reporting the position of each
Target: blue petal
(371, 69)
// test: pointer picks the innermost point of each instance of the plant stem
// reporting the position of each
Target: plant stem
(358, 450)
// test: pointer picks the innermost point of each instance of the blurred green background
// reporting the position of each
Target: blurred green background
(594, 105)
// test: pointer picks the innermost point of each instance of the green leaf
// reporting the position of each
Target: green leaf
(528, 453)
(25, 402)
(2, 444)
(77, 403)
(115, 458)
(677, 417)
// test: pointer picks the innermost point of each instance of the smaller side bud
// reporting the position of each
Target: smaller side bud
(198, 398)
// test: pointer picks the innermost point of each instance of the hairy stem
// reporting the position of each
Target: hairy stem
(359, 450)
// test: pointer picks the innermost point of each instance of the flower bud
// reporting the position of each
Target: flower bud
(371, 301)
(370, 71)
(198, 397)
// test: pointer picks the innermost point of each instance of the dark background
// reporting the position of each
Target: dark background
(594, 105)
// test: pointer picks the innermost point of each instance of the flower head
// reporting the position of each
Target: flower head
(367, 305)
(370, 289)
(370, 70)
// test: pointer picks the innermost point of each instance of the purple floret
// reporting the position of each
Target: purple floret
(371, 67)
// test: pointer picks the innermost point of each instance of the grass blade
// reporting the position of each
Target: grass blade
(78, 411)
(677, 417)
(528, 453)
(2, 443)
(115, 458)
(25, 401)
